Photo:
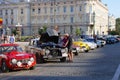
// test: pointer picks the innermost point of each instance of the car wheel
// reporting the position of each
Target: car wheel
(102, 45)
(86, 50)
(63, 59)
(4, 67)
(97, 46)
(76, 53)
(39, 58)
(32, 68)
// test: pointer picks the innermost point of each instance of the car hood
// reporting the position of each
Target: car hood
(79, 43)
(45, 38)
(74, 46)
(18, 55)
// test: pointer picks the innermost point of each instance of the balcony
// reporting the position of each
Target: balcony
(90, 19)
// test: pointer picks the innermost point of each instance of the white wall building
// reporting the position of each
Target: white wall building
(90, 16)
(111, 23)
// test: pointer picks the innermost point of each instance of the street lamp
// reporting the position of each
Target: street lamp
(54, 12)
(7, 30)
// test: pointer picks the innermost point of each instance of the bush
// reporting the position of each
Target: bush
(24, 38)
(113, 32)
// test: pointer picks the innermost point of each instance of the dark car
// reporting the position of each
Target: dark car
(50, 47)
(111, 40)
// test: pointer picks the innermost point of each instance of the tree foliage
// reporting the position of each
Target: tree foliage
(14, 31)
(40, 31)
(113, 32)
(118, 25)
(78, 32)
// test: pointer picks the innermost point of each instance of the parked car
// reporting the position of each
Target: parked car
(102, 40)
(90, 44)
(48, 44)
(82, 45)
(118, 38)
(76, 49)
(34, 41)
(12, 57)
(111, 40)
(98, 42)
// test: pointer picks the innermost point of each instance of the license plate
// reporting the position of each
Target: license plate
(49, 56)
(73, 50)
(64, 55)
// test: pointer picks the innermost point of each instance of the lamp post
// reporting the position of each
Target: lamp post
(54, 12)
(18, 28)
(7, 31)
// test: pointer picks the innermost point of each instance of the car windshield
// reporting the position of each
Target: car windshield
(90, 40)
(84, 40)
(77, 39)
(11, 48)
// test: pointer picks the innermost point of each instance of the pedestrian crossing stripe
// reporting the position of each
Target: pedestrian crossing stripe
(117, 73)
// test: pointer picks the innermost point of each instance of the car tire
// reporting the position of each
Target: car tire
(39, 58)
(4, 67)
(63, 59)
(86, 50)
(76, 53)
(102, 45)
(32, 68)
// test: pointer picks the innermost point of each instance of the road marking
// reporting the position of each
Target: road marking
(117, 73)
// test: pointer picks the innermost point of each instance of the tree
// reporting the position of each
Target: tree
(14, 31)
(118, 25)
(40, 31)
(77, 32)
(113, 32)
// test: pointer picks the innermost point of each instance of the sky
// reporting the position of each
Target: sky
(113, 7)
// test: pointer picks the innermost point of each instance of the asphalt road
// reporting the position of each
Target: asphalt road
(99, 64)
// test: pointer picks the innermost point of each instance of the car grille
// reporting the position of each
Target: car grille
(24, 60)
(55, 52)
(74, 48)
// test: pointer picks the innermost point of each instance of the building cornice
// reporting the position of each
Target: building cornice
(102, 5)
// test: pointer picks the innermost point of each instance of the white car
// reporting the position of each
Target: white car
(102, 42)
(76, 50)
(98, 42)
(90, 44)
(34, 41)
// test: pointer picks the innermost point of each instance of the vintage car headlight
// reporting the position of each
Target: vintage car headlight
(29, 63)
(32, 59)
(47, 51)
(14, 61)
(77, 48)
(19, 63)
(63, 50)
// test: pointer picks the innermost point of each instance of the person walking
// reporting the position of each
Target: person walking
(11, 39)
(2, 34)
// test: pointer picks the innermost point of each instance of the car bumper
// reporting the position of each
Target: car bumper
(23, 66)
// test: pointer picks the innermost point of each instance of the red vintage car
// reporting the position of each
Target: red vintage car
(12, 57)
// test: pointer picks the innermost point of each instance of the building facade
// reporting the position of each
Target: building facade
(111, 23)
(88, 16)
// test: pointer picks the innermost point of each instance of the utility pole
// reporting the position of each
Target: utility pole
(54, 12)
